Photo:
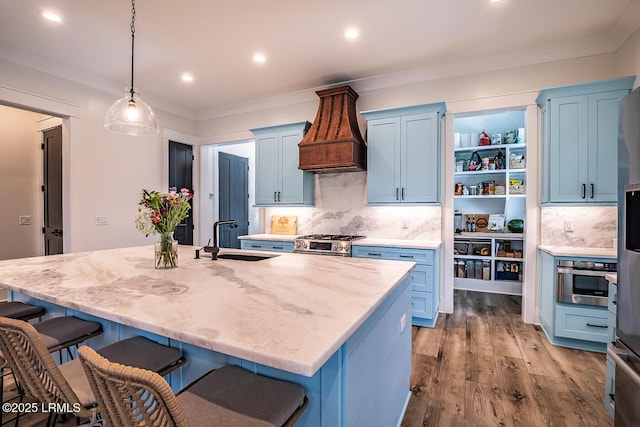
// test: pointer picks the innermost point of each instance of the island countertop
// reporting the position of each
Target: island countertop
(291, 312)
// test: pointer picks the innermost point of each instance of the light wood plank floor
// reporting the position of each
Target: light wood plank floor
(483, 366)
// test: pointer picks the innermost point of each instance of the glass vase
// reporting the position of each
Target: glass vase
(166, 251)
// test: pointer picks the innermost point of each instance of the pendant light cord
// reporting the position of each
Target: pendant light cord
(133, 32)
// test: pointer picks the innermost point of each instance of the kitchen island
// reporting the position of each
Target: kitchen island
(340, 327)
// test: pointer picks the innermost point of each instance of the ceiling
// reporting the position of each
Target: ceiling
(302, 40)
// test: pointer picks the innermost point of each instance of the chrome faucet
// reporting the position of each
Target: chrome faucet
(213, 250)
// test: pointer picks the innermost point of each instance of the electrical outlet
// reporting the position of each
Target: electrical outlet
(102, 220)
(405, 223)
(24, 220)
(568, 225)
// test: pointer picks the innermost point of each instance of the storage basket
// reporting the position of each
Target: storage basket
(500, 190)
(516, 189)
(517, 163)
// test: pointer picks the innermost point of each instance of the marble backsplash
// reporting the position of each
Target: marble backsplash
(341, 209)
(593, 226)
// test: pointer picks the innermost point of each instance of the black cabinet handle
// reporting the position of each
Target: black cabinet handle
(614, 302)
(279, 199)
(402, 193)
(374, 254)
(275, 196)
(584, 191)
(277, 247)
(396, 193)
(597, 326)
(593, 190)
(612, 396)
(406, 256)
(256, 246)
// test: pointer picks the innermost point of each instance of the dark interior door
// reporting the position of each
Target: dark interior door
(181, 176)
(233, 176)
(52, 188)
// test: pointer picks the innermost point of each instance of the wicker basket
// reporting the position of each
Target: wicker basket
(516, 189)
(517, 163)
(500, 190)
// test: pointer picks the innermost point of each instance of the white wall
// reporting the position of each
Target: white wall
(627, 59)
(104, 173)
(20, 178)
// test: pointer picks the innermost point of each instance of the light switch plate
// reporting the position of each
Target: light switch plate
(102, 220)
(24, 219)
(568, 225)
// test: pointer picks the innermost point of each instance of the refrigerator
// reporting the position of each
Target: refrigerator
(627, 351)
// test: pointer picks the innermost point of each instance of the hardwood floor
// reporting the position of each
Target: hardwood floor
(483, 366)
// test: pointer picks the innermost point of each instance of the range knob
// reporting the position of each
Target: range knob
(297, 245)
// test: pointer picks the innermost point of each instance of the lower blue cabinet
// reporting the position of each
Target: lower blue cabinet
(266, 245)
(425, 286)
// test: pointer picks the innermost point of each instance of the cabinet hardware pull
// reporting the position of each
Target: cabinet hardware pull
(402, 193)
(374, 254)
(614, 302)
(584, 191)
(597, 326)
(279, 199)
(275, 196)
(396, 193)
(406, 256)
(593, 190)
(256, 246)
(612, 396)
(277, 247)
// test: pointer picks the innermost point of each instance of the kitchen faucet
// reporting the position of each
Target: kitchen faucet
(213, 250)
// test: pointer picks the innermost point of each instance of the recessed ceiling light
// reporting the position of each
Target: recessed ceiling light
(51, 16)
(187, 77)
(351, 33)
(259, 58)
(495, 1)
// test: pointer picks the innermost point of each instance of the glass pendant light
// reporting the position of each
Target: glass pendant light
(130, 114)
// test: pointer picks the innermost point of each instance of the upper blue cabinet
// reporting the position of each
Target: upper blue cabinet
(403, 154)
(580, 141)
(279, 182)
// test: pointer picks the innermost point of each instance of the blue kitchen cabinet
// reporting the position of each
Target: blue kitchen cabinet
(266, 245)
(279, 182)
(425, 286)
(579, 141)
(578, 326)
(403, 154)
(610, 379)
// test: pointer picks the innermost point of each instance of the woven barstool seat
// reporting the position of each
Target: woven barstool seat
(226, 397)
(42, 379)
(20, 310)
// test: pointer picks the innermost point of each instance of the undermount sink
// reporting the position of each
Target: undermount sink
(244, 257)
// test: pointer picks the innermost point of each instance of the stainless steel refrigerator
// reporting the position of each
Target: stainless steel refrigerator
(627, 352)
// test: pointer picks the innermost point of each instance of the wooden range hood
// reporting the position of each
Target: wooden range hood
(333, 142)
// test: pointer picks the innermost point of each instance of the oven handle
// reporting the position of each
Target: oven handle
(562, 270)
(619, 358)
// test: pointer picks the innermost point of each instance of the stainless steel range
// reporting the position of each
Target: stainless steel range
(325, 244)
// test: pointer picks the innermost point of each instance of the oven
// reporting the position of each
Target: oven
(325, 244)
(584, 282)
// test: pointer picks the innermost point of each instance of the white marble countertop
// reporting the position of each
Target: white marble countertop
(290, 312)
(266, 236)
(580, 252)
(398, 243)
(612, 277)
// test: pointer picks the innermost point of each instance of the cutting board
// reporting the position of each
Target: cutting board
(284, 224)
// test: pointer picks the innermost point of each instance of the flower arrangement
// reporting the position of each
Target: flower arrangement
(161, 212)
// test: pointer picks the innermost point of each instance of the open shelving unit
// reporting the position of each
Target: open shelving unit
(505, 267)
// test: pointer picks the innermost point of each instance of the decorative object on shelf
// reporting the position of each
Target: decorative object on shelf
(475, 163)
(496, 222)
(516, 162)
(484, 138)
(500, 190)
(510, 137)
(496, 139)
(499, 160)
(161, 212)
(516, 226)
(130, 114)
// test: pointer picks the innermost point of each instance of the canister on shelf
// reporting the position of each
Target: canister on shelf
(478, 269)
(470, 269)
(460, 268)
(486, 270)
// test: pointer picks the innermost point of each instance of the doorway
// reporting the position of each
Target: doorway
(52, 190)
(181, 176)
(233, 201)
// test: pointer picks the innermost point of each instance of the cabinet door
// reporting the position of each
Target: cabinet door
(603, 146)
(292, 178)
(547, 292)
(545, 175)
(383, 160)
(568, 149)
(267, 169)
(419, 172)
